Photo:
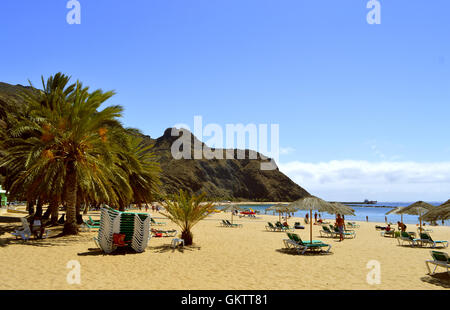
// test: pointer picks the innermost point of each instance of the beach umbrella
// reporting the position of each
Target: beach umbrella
(343, 209)
(232, 208)
(441, 212)
(418, 208)
(315, 203)
(395, 211)
(281, 208)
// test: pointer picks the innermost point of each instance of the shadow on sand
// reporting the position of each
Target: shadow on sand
(441, 279)
(167, 248)
(128, 250)
(295, 253)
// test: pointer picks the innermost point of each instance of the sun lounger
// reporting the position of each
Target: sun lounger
(282, 227)
(352, 225)
(297, 225)
(406, 238)
(440, 259)
(24, 232)
(425, 239)
(295, 243)
(135, 227)
(347, 232)
(93, 222)
(271, 227)
(233, 225)
(153, 222)
(326, 232)
(390, 233)
(165, 233)
(87, 225)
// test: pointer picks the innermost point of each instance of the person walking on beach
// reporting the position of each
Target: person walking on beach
(315, 217)
(340, 224)
(306, 218)
(367, 218)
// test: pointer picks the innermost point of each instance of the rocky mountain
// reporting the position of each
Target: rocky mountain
(221, 179)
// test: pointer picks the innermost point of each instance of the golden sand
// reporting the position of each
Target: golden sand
(221, 258)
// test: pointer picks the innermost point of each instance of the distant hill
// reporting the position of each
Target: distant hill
(222, 179)
(225, 179)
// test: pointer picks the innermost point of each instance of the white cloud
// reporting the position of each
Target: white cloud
(383, 181)
(286, 150)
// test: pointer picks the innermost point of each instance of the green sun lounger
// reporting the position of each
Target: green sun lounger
(281, 227)
(233, 225)
(440, 259)
(407, 238)
(425, 239)
(347, 232)
(326, 232)
(296, 243)
(153, 222)
(352, 225)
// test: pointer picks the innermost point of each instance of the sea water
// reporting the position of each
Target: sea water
(375, 213)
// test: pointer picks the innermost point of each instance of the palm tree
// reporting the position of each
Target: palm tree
(186, 210)
(62, 148)
(64, 141)
(139, 163)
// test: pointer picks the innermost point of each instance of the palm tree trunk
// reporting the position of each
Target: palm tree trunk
(70, 226)
(54, 209)
(47, 213)
(187, 236)
(39, 207)
(78, 211)
(121, 205)
(30, 206)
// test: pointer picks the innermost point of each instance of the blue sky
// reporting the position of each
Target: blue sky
(363, 109)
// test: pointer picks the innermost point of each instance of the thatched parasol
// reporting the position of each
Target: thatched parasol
(282, 208)
(438, 213)
(232, 208)
(417, 208)
(343, 209)
(315, 203)
(395, 211)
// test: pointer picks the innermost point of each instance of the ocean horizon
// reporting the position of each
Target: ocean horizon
(374, 212)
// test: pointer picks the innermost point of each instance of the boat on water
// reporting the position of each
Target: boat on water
(370, 202)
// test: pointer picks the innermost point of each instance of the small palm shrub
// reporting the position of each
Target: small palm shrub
(186, 210)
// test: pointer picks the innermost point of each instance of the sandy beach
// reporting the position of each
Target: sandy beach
(221, 258)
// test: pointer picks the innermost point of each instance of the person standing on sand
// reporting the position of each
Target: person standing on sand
(340, 224)
(401, 226)
(367, 218)
(315, 217)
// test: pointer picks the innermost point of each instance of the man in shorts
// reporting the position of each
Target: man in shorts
(340, 224)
